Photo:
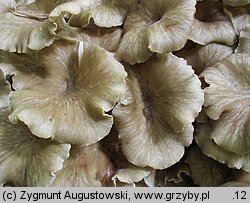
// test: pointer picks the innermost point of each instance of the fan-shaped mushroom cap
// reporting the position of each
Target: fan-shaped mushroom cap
(82, 83)
(39, 9)
(107, 38)
(130, 175)
(211, 25)
(227, 102)
(85, 167)
(104, 13)
(211, 149)
(205, 171)
(159, 26)
(19, 33)
(26, 160)
(154, 114)
(202, 57)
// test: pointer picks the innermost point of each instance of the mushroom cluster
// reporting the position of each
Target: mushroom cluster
(124, 93)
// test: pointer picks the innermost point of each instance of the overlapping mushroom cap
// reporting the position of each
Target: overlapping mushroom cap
(86, 167)
(26, 68)
(34, 24)
(211, 24)
(20, 32)
(107, 38)
(26, 160)
(201, 57)
(154, 115)
(82, 82)
(227, 135)
(104, 13)
(60, 85)
(227, 101)
(159, 26)
(130, 175)
(39, 9)
(211, 149)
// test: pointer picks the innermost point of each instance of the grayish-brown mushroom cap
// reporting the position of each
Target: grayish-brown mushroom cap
(82, 83)
(154, 114)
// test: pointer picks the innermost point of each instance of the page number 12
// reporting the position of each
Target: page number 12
(240, 195)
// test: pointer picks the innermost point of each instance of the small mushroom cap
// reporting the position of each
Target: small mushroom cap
(39, 9)
(202, 57)
(104, 13)
(211, 149)
(227, 102)
(4, 91)
(205, 171)
(85, 167)
(154, 114)
(82, 83)
(159, 26)
(19, 34)
(107, 38)
(133, 47)
(130, 175)
(212, 25)
(26, 160)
